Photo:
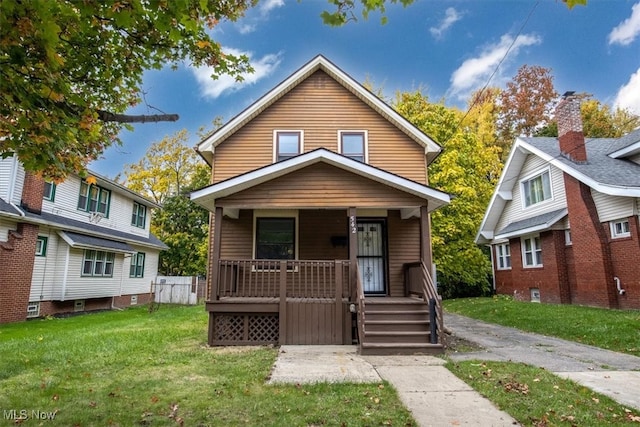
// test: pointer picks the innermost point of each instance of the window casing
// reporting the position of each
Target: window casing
(620, 228)
(139, 215)
(275, 238)
(137, 265)
(503, 252)
(33, 309)
(49, 191)
(353, 144)
(97, 263)
(41, 246)
(287, 144)
(531, 252)
(536, 189)
(93, 198)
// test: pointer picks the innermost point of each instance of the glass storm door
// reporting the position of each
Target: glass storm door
(371, 256)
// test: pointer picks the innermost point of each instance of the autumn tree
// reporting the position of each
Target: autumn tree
(468, 168)
(526, 104)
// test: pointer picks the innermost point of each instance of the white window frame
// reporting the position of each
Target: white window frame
(136, 216)
(33, 309)
(615, 234)
(136, 268)
(98, 261)
(535, 249)
(503, 256)
(531, 177)
(281, 213)
(365, 134)
(567, 237)
(276, 132)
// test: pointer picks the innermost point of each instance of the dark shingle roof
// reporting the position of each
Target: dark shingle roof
(535, 221)
(84, 240)
(6, 207)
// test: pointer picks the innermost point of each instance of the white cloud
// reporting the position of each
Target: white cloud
(629, 95)
(268, 5)
(211, 88)
(474, 72)
(628, 29)
(246, 28)
(450, 18)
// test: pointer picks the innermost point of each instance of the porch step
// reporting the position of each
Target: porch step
(387, 325)
(386, 349)
(397, 336)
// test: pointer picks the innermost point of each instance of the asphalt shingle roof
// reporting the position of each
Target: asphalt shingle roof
(535, 221)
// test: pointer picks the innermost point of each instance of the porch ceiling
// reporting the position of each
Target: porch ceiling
(319, 178)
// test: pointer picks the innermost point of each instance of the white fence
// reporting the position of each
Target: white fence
(178, 289)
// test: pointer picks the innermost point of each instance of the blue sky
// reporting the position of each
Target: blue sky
(447, 48)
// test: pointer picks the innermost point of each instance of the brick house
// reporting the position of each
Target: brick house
(320, 213)
(563, 222)
(75, 246)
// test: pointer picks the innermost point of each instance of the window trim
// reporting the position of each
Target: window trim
(98, 200)
(501, 257)
(284, 213)
(134, 266)
(531, 177)
(107, 259)
(276, 143)
(534, 249)
(365, 142)
(623, 234)
(51, 195)
(136, 214)
(42, 251)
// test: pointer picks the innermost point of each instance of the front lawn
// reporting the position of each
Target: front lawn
(615, 330)
(135, 368)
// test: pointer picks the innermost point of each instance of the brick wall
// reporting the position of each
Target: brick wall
(32, 193)
(17, 257)
(625, 253)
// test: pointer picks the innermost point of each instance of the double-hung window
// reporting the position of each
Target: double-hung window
(275, 238)
(97, 263)
(287, 144)
(137, 265)
(93, 198)
(139, 215)
(536, 189)
(503, 252)
(41, 246)
(531, 251)
(49, 191)
(620, 228)
(353, 144)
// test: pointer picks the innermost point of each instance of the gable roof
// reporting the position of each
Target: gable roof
(206, 196)
(606, 171)
(207, 146)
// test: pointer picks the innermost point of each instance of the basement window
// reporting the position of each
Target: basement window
(33, 309)
(78, 305)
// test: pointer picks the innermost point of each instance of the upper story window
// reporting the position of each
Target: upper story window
(287, 144)
(139, 215)
(536, 189)
(49, 191)
(93, 198)
(504, 256)
(353, 144)
(620, 228)
(531, 252)
(41, 246)
(97, 263)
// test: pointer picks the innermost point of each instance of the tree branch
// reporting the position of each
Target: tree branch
(106, 116)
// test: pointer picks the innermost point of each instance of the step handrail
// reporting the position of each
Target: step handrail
(360, 316)
(430, 295)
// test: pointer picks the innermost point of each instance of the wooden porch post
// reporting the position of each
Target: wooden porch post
(353, 251)
(339, 338)
(425, 238)
(215, 256)
(282, 311)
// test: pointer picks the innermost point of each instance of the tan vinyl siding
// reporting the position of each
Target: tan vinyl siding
(514, 210)
(404, 247)
(316, 229)
(320, 185)
(612, 207)
(320, 107)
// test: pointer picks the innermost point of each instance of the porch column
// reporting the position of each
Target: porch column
(425, 238)
(353, 250)
(215, 254)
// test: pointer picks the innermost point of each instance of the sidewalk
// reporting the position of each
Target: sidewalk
(616, 375)
(434, 395)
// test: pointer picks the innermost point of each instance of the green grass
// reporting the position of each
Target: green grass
(136, 368)
(614, 330)
(535, 397)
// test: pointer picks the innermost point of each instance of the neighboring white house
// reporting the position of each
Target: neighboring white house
(83, 244)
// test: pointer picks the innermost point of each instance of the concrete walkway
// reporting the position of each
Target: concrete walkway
(432, 393)
(613, 374)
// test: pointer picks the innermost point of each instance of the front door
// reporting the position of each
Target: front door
(371, 256)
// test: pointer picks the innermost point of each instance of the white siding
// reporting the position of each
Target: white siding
(6, 166)
(82, 287)
(514, 210)
(45, 268)
(612, 207)
(140, 285)
(5, 226)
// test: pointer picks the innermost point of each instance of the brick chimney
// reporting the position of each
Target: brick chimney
(32, 193)
(570, 133)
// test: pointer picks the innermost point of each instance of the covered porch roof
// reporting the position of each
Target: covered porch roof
(416, 193)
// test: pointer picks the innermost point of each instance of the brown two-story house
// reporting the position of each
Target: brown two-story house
(320, 227)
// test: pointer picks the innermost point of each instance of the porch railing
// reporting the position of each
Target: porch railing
(253, 278)
(418, 282)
